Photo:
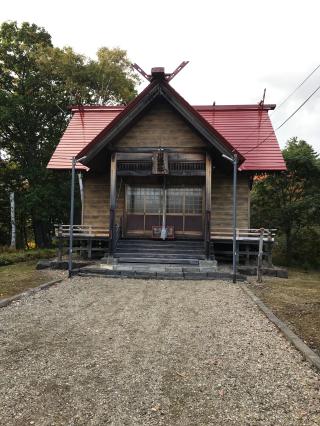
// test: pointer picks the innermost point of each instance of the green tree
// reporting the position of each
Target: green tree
(37, 83)
(290, 201)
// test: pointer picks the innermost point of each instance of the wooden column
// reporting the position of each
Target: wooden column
(113, 199)
(208, 204)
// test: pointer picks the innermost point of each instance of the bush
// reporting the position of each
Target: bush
(10, 256)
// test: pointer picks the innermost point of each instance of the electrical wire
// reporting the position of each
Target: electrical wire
(278, 107)
(297, 88)
(285, 121)
(300, 106)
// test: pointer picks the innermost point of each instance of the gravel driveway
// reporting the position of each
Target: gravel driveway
(132, 352)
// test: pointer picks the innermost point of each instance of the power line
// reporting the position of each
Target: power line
(285, 121)
(300, 106)
(297, 88)
(279, 106)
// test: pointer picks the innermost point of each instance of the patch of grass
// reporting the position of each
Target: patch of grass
(10, 257)
(17, 278)
(296, 301)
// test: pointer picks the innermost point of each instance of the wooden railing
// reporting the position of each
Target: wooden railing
(243, 234)
(85, 231)
(86, 239)
(249, 242)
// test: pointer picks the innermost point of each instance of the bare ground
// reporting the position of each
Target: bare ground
(296, 301)
(97, 351)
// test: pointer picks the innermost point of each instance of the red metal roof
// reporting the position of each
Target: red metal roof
(86, 123)
(246, 127)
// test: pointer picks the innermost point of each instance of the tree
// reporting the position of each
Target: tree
(290, 200)
(37, 83)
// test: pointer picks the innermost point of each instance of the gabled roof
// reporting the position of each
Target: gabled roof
(159, 88)
(245, 129)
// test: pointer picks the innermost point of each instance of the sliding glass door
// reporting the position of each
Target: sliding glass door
(179, 206)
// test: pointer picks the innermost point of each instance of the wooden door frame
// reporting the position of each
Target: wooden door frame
(125, 214)
(182, 234)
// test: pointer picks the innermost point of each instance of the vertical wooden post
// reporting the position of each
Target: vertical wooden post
(260, 254)
(208, 204)
(113, 199)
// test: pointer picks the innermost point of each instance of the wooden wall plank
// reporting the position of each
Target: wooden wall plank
(221, 211)
(161, 126)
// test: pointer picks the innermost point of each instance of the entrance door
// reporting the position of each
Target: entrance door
(143, 209)
(184, 210)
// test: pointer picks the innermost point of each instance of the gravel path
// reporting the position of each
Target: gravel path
(131, 352)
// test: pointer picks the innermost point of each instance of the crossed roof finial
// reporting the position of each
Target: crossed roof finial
(159, 72)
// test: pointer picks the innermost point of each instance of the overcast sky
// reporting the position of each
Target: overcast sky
(235, 48)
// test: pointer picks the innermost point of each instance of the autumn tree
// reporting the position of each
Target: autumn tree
(290, 202)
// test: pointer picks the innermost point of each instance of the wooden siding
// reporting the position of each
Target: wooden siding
(221, 210)
(160, 126)
(96, 206)
(97, 192)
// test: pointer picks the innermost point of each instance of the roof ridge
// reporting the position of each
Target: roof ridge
(255, 107)
(236, 107)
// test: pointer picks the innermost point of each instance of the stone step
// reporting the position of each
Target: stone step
(172, 275)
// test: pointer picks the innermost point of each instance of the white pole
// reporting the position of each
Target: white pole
(13, 221)
(260, 254)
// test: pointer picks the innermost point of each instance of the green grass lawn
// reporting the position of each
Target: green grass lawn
(296, 301)
(19, 277)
